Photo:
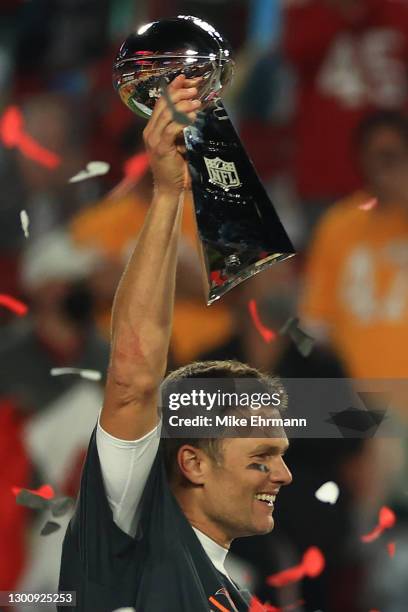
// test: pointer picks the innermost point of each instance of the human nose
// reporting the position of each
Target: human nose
(282, 473)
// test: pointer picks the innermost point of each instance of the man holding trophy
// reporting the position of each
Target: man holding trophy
(156, 515)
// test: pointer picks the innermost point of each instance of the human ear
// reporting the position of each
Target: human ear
(193, 464)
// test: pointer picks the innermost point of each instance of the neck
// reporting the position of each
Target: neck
(197, 518)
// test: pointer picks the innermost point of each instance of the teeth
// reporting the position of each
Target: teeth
(266, 497)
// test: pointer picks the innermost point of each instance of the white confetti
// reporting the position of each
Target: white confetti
(369, 205)
(25, 222)
(328, 492)
(88, 374)
(93, 168)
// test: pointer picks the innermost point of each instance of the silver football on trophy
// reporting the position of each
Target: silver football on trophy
(165, 49)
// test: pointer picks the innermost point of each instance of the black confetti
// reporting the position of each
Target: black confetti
(61, 506)
(30, 500)
(354, 423)
(303, 342)
(49, 527)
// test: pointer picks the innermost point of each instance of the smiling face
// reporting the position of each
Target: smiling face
(241, 491)
(235, 496)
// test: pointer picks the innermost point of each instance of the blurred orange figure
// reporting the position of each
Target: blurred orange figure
(356, 286)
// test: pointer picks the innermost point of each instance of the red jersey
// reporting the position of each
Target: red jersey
(345, 67)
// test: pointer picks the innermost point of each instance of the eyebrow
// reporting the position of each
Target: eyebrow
(268, 448)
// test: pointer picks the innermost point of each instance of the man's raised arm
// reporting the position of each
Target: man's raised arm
(143, 306)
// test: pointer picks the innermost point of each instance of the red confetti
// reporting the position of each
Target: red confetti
(11, 126)
(386, 520)
(312, 564)
(45, 491)
(13, 135)
(369, 205)
(386, 517)
(267, 334)
(391, 549)
(216, 278)
(256, 606)
(32, 149)
(19, 308)
(373, 535)
(280, 579)
(136, 166)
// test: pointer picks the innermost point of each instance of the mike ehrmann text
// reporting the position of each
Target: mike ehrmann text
(255, 420)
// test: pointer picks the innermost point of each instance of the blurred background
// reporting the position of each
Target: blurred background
(319, 99)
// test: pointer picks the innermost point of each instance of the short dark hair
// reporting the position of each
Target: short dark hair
(394, 120)
(209, 369)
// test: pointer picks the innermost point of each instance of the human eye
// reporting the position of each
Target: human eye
(261, 467)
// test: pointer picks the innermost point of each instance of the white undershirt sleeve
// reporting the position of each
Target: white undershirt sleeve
(125, 466)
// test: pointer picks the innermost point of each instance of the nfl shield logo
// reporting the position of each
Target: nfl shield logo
(222, 173)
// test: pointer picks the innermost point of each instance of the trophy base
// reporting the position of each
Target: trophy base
(218, 287)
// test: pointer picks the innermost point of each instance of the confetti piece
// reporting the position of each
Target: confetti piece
(35, 502)
(312, 565)
(267, 334)
(369, 205)
(33, 150)
(303, 342)
(93, 168)
(25, 222)
(387, 517)
(391, 549)
(135, 167)
(46, 491)
(357, 423)
(386, 520)
(83, 373)
(328, 492)
(216, 278)
(60, 507)
(217, 604)
(11, 126)
(49, 527)
(257, 606)
(313, 562)
(13, 136)
(19, 308)
(373, 535)
(178, 117)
